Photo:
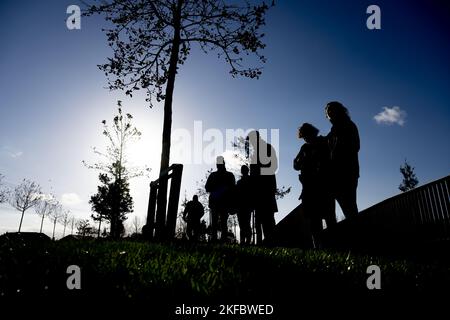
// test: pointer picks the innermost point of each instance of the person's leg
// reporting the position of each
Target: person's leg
(329, 210)
(241, 222)
(247, 227)
(258, 226)
(346, 197)
(316, 229)
(195, 230)
(223, 216)
(268, 224)
(189, 230)
(214, 224)
(244, 226)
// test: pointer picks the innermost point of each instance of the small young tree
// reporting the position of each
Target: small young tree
(112, 203)
(25, 196)
(410, 180)
(181, 228)
(84, 228)
(113, 200)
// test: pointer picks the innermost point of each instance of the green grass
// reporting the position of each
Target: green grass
(186, 272)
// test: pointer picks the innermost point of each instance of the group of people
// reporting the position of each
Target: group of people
(329, 172)
(254, 192)
(329, 169)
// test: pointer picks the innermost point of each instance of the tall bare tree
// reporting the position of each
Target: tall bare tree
(3, 191)
(136, 224)
(55, 215)
(25, 196)
(151, 38)
(65, 220)
(43, 209)
(72, 224)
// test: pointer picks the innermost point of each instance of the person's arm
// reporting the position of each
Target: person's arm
(299, 160)
(208, 183)
(355, 138)
(347, 140)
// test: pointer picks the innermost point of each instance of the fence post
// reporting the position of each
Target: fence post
(174, 197)
(151, 210)
(161, 226)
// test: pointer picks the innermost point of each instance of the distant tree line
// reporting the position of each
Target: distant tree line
(28, 195)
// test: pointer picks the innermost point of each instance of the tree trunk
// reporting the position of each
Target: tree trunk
(64, 231)
(21, 219)
(42, 223)
(167, 127)
(54, 226)
(99, 226)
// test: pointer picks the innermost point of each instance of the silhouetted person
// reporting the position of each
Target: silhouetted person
(220, 184)
(313, 162)
(245, 205)
(192, 214)
(343, 141)
(263, 165)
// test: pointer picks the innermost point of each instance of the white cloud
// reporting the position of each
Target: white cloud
(15, 154)
(390, 116)
(11, 152)
(46, 197)
(70, 199)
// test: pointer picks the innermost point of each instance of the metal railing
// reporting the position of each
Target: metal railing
(413, 218)
(409, 220)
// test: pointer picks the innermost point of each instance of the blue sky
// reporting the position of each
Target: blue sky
(53, 97)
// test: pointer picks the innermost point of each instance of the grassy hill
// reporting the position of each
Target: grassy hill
(170, 274)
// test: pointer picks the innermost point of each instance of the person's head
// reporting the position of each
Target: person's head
(195, 198)
(244, 170)
(335, 112)
(307, 132)
(220, 163)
